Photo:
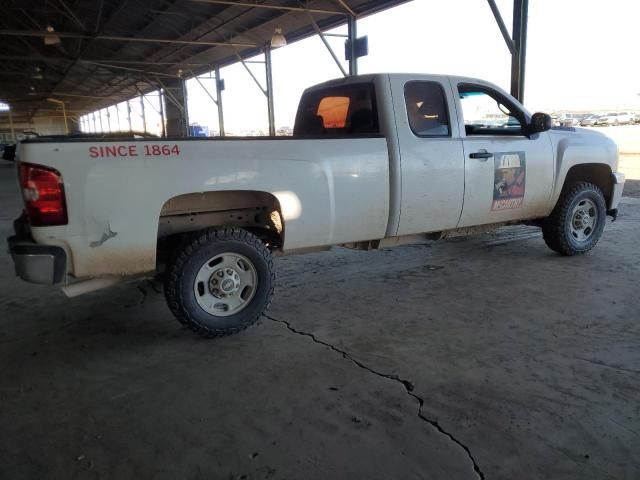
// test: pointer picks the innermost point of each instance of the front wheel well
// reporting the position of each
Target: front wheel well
(598, 174)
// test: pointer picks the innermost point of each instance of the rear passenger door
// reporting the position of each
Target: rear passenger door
(431, 156)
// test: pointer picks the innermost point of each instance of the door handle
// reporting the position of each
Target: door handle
(482, 154)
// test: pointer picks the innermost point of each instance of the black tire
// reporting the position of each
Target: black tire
(181, 276)
(557, 228)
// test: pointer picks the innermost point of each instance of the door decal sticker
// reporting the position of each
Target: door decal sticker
(509, 180)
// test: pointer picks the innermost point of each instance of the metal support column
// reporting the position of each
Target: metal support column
(352, 35)
(219, 97)
(518, 60)
(144, 117)
(161, 101)
(268, 72)
(517, 43)
(185, 107)
(176, 114)
(13, 130)
(129, 115)
(268, 91)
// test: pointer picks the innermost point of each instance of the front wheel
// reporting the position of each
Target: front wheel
(577, 222)
(220, 282)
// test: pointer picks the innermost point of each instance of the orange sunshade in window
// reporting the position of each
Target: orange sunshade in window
(333, 111)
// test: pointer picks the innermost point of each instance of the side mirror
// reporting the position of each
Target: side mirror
(540, 122)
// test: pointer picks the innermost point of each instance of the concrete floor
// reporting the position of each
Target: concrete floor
(487, 357)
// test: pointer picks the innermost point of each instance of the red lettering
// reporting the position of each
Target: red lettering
(110, 151)
(93, 152)
(154, 150)
(122, 150)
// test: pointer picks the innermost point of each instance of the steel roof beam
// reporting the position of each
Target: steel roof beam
(114, 38)
(347, 7)
(270, 7)
(501, 25)
(31, 59)
(326, 44)
(73, 16)
(206, 90)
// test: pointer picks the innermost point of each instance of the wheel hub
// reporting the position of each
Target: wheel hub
(584, 220)
(224, 282)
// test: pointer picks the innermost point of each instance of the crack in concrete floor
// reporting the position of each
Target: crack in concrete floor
(408, 386)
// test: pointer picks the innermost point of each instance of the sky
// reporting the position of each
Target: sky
(581, 55)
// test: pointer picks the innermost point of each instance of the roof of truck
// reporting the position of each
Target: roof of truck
(371, 76)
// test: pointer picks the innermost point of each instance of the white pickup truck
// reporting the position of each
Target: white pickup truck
(375, 161)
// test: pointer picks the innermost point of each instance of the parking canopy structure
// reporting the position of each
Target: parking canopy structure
(64, 58)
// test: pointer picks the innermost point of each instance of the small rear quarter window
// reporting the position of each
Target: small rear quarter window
(333, 111)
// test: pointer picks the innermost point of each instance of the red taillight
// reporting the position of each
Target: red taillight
(43, 193)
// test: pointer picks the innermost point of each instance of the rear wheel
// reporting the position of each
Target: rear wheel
(577, 222)
(220, 282)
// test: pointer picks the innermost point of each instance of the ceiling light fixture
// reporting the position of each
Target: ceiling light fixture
(50, 37)
(278, 39)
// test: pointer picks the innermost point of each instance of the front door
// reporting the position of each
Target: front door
(508, 176)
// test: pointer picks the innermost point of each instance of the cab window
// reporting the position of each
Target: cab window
(427, 109)
(333, 111)
(341, 110)
(487, 112)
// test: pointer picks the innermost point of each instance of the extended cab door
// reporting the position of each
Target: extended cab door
(508, 176)
(431, 157)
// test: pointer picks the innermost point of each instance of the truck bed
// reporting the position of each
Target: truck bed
(116, 190)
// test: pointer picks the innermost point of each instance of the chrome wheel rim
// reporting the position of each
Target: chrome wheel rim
(584, 219)
(225, 284)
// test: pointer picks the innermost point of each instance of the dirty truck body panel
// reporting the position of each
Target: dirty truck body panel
(407, 178)
(114, 203)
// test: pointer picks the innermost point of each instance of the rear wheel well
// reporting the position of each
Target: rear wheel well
(254, 211)
(599, 174)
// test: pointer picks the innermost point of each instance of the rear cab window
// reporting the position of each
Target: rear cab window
(341, 110)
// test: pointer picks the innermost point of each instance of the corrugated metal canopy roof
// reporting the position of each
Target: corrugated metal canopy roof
(109, 49)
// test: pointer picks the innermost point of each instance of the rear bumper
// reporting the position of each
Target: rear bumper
(46, 264)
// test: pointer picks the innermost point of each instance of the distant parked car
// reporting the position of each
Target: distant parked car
(570, 119)
(625, 118)
(589, 120)
(608, 119)
(615, 118)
